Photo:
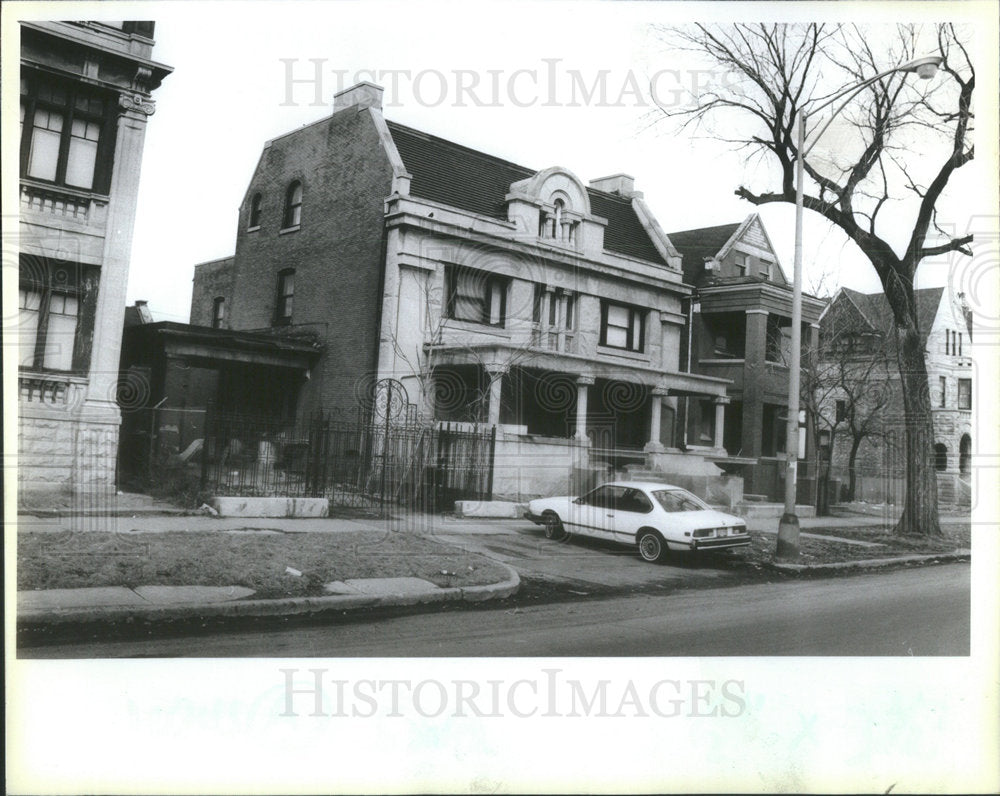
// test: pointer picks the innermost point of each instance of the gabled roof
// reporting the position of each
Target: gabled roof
(469, 180)
(874, 308)
(695, 245)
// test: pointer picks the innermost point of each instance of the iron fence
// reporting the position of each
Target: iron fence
(362, 461)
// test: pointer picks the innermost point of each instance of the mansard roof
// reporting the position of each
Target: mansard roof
(476, 182)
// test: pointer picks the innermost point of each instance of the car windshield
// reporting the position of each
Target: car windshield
(678, 500)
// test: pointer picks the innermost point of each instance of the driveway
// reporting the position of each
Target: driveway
(580, 562)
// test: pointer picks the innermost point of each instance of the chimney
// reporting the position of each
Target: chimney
(621, 184)
(145, 316)
(360, 95)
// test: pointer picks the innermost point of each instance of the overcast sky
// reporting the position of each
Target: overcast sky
(229, 93)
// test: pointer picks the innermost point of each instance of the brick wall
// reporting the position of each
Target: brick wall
(212, 280)
(336, 251)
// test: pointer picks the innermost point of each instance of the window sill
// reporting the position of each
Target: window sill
(622, 352)
(287, 230)
(253, 229)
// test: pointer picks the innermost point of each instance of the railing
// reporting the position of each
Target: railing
(357, 462)
(553, 339)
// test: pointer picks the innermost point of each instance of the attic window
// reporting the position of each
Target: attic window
(740, 262)
(765, 269)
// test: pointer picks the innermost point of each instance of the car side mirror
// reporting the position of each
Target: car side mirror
(578, 501)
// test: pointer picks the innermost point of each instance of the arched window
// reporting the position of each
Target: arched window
(293, 205)
(255, 205)
(940, 457)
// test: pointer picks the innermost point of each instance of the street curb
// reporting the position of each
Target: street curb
(958, 555)
(285, 606)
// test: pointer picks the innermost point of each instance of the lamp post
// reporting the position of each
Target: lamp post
(788, 527)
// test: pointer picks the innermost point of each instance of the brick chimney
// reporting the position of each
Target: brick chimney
(621, 184)
(145, 316)
(360, 95)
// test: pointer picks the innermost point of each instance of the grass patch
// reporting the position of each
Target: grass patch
(251, 558)
(814, 550)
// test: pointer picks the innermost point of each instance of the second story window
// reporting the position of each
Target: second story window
(764, 269)
(65, 135)
(293, 206)
(740, 264)
(476, 296)
(255, 210)
(943, 384)
(218, 312)
(965, 393)
(48, 317)
(286, 292)
(623, 326)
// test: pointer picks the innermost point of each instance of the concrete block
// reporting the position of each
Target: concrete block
(270, 506)
(489, 509)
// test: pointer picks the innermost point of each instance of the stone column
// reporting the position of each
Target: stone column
(655, 410)
(496, 384)
(720, 420)
(582, 383)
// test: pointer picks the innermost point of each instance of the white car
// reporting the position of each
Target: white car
(655, 517)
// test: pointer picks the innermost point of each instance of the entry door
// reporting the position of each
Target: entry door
(591, 516)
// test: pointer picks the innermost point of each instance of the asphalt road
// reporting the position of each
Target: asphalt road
(919, 611)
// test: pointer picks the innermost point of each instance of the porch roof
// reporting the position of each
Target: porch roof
(502, 357)
(219, 346)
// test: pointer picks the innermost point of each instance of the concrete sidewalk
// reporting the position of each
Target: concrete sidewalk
(112, 603)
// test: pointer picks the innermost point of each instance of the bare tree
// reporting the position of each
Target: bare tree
(847, 386)
(773, 73)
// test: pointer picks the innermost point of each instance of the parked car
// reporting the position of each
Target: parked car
(657, 518)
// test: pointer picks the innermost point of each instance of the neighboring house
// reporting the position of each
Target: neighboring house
(863, 321)
(493, 293)
(740, 321)
(85, 102)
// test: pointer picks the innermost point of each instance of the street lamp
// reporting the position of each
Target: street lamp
(788, 528)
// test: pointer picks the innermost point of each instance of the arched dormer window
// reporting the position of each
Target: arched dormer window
(557, 224)
(293, 205)
(255, 208)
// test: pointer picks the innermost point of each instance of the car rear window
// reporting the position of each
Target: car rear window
(676, 500)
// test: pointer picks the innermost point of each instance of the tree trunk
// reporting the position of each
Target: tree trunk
(920, 507)
(851, 467)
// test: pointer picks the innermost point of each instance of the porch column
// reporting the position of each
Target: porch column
(720, 420)
(582, 383)
(495, 375)
(655, 410)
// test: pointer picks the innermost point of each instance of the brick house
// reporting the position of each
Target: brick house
(862, 322)
(740, 322)
(85, 102)
(492, 292)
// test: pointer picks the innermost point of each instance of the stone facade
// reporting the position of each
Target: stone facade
(75, 232)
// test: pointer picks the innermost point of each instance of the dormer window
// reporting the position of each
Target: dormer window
(557, 224)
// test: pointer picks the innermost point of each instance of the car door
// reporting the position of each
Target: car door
(631, 511)
(590, 515)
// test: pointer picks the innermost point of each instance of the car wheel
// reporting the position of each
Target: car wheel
(553, 526)
(652, 548)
